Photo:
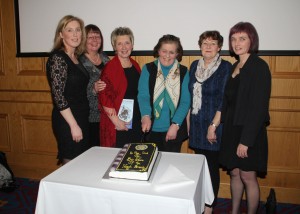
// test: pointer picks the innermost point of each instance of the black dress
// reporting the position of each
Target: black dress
(68, 83)
(132, 135)
(231, 136)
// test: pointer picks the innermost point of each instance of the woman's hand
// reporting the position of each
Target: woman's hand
(211, 134)
(242, 151)
(172, 132)
(76, 133)
(99, 86)
(146, 123)
(120, 124)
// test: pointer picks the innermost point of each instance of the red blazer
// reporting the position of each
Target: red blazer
(116, 85)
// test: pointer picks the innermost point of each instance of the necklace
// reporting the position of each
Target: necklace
(95, 60)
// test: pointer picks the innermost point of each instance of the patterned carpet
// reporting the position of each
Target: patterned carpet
(22, 201)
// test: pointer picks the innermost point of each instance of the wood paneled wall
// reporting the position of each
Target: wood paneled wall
(25, 116)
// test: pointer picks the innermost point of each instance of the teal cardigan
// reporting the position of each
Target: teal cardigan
(163, 123)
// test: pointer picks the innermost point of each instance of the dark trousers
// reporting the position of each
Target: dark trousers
(212, 158)
(159, 138)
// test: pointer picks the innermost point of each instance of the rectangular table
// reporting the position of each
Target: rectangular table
(78, 187)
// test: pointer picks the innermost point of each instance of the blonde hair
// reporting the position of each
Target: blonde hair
(121, 31)
(58, 41)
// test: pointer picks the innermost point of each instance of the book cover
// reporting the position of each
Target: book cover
(138, 158)
(126, 112)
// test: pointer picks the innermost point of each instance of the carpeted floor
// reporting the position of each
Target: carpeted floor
(22, 201)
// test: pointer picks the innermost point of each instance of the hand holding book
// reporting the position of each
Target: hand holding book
(119, 124)
(126, 112)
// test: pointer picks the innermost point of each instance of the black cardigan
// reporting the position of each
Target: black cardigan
(252, 105)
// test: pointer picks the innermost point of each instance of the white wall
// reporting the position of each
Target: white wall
(277, 21)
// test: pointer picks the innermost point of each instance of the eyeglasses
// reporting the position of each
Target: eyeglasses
(93, 37)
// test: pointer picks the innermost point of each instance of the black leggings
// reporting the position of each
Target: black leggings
(212, 158)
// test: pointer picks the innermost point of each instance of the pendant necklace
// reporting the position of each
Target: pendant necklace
(96, 61)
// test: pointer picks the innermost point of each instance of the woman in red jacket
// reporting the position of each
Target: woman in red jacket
(121, 76)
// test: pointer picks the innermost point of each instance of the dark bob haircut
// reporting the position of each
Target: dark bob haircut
(214, 35)
(94, 29)
(167, 39)
(250, 30)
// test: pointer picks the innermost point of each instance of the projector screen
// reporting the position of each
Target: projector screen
(277, 21)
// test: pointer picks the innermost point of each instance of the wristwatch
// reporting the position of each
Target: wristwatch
(214, 125)
(176, 124)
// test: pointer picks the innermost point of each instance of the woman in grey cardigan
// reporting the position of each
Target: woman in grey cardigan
(94, 60)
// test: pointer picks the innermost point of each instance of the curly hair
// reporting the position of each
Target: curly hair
(167, 39)
(214, 35)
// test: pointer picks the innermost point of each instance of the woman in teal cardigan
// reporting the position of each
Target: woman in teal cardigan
(163, 96)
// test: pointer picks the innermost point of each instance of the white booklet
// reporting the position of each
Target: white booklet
(126, 111)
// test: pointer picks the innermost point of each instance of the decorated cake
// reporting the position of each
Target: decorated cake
(134, 161)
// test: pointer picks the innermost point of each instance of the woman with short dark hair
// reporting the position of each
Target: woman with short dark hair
(94, 60)
(163, 96)
(245, 114)
(208, 76)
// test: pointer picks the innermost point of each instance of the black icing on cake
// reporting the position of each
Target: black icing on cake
(134, 161)
(137, 158)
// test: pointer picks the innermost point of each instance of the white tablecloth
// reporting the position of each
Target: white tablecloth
(78, 187)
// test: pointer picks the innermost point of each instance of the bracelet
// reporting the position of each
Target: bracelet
(214, 125)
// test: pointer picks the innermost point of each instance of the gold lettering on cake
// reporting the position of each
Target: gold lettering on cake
(137, 158)
(135, 161)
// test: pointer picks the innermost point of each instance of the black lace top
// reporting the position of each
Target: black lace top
(68, 82)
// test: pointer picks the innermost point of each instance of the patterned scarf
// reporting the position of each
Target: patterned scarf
(201, 75)
(166, 88)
